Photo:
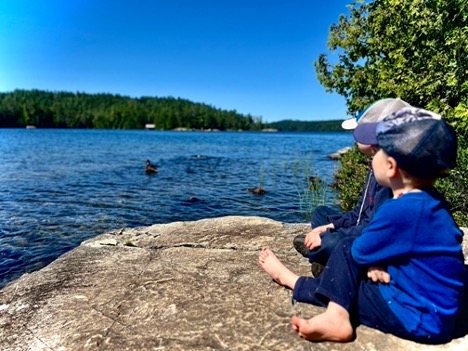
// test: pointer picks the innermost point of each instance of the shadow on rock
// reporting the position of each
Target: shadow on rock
(461, 328)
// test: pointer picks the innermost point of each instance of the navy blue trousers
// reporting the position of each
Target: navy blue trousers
(345, 282)
(323, 215)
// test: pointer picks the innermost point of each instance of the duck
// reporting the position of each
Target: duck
(257, 191)
(150, 168)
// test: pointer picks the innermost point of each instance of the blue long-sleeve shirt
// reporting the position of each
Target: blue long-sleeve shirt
(417, 240)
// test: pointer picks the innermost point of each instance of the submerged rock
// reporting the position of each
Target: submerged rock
(178, 286)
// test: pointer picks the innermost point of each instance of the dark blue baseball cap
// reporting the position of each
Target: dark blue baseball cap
(420, 141)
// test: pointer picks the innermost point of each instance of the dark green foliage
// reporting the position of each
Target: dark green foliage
(455, 186)
(412, 49)
(306, 126)
(350, 178)
(46, 109)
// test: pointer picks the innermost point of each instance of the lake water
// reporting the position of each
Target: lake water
(60, 187)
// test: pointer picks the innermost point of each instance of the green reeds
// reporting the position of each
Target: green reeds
(312, 191)
(261, 177)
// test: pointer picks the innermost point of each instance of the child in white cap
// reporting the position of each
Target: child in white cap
(329, 225)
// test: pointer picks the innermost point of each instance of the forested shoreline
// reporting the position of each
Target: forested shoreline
(45, 109)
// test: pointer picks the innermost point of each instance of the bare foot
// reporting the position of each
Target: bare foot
(332, 325)
(275, 269)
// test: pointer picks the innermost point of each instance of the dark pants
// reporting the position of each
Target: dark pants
(345, 282)
(323, 215)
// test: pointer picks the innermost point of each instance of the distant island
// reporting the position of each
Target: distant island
(45, 109)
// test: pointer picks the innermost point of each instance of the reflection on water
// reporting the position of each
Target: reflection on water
(60, 187)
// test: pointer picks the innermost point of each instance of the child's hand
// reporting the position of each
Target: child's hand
(378, 274)
(313, 238)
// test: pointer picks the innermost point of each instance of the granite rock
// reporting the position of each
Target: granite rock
(178, 286)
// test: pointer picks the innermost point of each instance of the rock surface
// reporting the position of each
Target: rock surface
(178, 286)
(338, 154)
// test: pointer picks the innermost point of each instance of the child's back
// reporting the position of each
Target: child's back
(417, 239)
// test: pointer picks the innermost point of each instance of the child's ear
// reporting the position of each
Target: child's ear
(392, 167)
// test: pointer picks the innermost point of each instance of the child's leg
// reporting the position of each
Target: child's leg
(339, 281)
(351, 297)
(374, 311)
(275, 269)
(332, 325)
(336, 288)
(323, 215)
(329, 242)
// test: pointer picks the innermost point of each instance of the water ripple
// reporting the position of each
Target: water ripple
(60, 187)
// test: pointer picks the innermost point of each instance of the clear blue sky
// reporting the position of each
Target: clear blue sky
(254, 56)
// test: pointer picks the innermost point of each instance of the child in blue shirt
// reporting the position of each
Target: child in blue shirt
(404, 274)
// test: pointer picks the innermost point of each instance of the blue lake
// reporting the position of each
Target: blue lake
(60, 187)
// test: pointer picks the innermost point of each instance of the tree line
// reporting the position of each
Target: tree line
(45, 109)
(288, 125)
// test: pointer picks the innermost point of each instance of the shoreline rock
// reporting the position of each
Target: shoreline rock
(338, 154)
(177, 286)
